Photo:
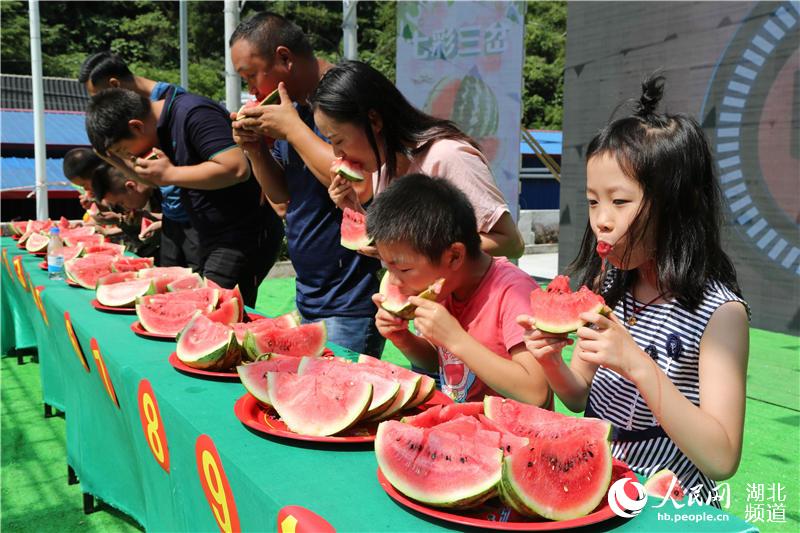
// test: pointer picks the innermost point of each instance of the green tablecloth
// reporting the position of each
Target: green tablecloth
(108, 447)
(15, 327)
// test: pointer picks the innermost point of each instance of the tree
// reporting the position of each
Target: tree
(543, 69)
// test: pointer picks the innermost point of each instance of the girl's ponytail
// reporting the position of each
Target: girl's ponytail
(652, 92)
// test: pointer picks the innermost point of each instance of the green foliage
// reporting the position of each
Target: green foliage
(146, 35)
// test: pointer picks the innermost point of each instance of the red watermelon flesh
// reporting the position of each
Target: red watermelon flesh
(304, 340)
(350, 170)
(19, 227)
(427, 386)
(426, 419)
(207, 345)
(409, 387)
(86, 270)
(226, 295)
(226, 313)
(254, 375)
(167, 317)
(193, 281)
(461, 409)
(354, 230)
(384, 390)
(38, 226)
(84, 231)
(437, 468)
(240, 329)
(521, 418)
(146, 223)
(86, 240)
(603, 249)
(156, 272)
(664, 483)
(116, 277)
(397, 303)
(204, 297)
(71, 252)
(509, 442)
(564, 475)
(558, 310)
(133, 264)
(63, 223)
(289, 320)
(37, 243)
(106, 248)
(470, 426)
(317, 405)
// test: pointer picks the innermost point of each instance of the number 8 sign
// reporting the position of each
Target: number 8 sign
(153, 425)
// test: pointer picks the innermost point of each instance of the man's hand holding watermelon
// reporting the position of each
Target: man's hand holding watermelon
(271, 121)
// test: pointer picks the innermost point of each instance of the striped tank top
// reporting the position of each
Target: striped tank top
(671, 335)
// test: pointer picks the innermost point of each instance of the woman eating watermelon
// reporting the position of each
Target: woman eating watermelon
(372, 127)
(667, 364)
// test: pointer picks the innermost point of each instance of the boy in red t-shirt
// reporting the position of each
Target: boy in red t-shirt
(424, 229)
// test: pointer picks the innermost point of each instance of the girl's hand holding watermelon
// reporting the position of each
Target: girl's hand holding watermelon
(545, 347)
(609, 344)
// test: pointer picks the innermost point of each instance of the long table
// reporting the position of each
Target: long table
(167, 449)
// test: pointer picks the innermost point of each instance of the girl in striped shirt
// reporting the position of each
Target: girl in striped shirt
(667, 368)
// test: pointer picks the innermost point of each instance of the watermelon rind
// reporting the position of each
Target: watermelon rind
(125, 293)
(156, 323)
(271, 99)
(37, 243)
(218, 354)
(227, 313)
(192, 281)
(558, 311)
(349, 172)
(318, 405)
(401, 307)
(350, 224)
(431, 469)
(425, 390)
(254, 375)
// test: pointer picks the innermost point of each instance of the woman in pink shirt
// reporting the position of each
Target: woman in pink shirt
(370, 123)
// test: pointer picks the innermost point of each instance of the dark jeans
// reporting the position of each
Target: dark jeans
(245, 266)
(357, 334)
(180, 245)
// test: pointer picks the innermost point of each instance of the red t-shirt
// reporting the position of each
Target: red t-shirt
(489, 315)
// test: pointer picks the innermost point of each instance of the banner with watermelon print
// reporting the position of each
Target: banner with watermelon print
(463, 61)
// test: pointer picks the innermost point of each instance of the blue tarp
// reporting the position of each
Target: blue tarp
(17, 173)
(60, 128)
(549, 139)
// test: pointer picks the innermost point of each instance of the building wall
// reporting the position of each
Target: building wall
(732, 65)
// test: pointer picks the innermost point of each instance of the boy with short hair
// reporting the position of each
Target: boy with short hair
(192, 137)
(425, 229)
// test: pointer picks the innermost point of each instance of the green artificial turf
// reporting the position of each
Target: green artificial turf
(36, 497)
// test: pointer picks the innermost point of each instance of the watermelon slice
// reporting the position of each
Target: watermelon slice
(37, 243)
(83, 231)
(93, 209)
(354, 230)
(227, 313)
(437, 468)
(471, 409)
(564, 475)
(426, 419)
(229, 294)
(271, 99)
(207, 345)
(85, 271)
(254, 375)
(132, 264)
(86, 240)
(71, 252)
(116, 277)
(19, 227)
(397, 303)
(105, 248)
(350, 170)
(156, 272)
(558, 309)
(427, 385)
(304, 340)
(663, 484)
(168, 316)
(125, 293)
(317, 405)
(384, 390)
(192, 281)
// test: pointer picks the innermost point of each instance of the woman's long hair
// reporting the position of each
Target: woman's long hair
(668, 155)
(351, 89)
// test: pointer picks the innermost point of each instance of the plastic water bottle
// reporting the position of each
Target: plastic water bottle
(55, 259)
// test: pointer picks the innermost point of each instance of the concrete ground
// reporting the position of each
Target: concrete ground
(540, 265)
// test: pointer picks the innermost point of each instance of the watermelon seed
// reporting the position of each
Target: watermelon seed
(463, 459)
(433, 455)
(530, 464)
(508, 448)
(446, 457)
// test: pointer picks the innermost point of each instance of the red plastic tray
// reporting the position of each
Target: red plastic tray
(137, 328)
(256, 416)
(40, 254)
(43, 265)
(180, 366)
(72, 283)
(494, 515)
(119, 310)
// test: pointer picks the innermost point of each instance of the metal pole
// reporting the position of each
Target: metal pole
(233, 84)
(184, 38)
(40, 149)
(350, 29)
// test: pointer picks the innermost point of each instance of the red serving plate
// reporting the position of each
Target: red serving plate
(16, 237)
(494, 515)
(43, 265)
(72, 283)
(119, 310)
(137, 328)
(21, 246)
(180, 366)
(40, 254)
(256, 416)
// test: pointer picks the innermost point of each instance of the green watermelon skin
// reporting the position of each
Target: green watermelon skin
(438, 468)
(207, 345)
(469, 102)
(558, 309)
(354, 230)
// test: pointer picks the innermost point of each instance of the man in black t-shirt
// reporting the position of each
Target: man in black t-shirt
(191, 137)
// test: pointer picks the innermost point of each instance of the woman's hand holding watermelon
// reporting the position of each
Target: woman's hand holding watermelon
(609, 344)
(545, 347)
(342, 192)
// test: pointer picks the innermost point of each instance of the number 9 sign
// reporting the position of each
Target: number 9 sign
(215, 485)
